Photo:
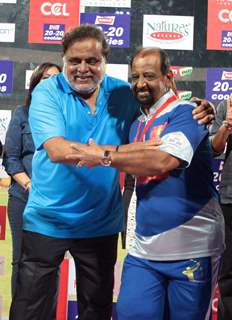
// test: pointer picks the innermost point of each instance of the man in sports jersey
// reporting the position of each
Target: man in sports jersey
(171, 271)
(70, 208)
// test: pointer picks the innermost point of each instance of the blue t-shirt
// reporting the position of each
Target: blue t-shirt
(70, 202)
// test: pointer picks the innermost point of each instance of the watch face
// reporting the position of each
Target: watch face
(106, 162)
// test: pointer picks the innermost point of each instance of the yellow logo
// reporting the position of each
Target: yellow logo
(190, 271)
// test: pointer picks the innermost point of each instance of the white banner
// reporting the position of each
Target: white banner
(7, 32)
(106, 3)
(168, 32)
(7, 1)
(119, 71)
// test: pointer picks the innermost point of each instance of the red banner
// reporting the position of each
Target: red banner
(49, 20)
(62, 305)
(2, 222)
(219, 27)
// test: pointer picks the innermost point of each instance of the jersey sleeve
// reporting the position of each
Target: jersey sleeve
(183, 134)
(45, 114)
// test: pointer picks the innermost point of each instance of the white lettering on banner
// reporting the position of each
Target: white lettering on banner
(3, 89)
(225, 15)
(3, 77)
(113, 31)
(221, 86)
(55, 9)
(220, 97)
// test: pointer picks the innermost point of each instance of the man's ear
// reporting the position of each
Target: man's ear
(170, 82)
(170, 75)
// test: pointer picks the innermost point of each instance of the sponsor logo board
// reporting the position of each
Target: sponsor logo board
(49, 20)
(168, 32)
(116, 27)
(218, 84)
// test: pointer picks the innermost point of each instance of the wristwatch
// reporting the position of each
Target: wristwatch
(106, 160)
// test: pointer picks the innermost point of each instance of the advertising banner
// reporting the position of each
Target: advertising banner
(48, 21)
(28, 78)
(7, 1)
(218, 84)
(168, 32)
(6, 76)
(116, 27)
(5, 257)
(179, 71)
(5, 116)
(106, 3)
(2, 222)
(119, 71)
(219, 25)
(7, 32)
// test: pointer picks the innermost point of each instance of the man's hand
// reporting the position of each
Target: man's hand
(228, 122)
(204, 113)
(86, 155)
(90, 155)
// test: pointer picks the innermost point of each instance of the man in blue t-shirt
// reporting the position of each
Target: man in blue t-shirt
(71, 208)
(171, 270)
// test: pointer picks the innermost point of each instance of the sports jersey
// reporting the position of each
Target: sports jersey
(178, 215)
(66, 201)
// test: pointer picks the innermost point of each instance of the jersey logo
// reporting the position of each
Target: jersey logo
(155, 132)
(145, 180)
(194, 272)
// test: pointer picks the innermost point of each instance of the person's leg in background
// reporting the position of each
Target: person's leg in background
(37, 283)
(94, 260)
(15, 210)
(225, 276)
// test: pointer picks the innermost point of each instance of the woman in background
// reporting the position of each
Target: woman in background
(17, 159)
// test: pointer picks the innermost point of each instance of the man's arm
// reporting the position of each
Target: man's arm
(146, 163)
(143, 162)
(58, 148)
(179, 141)
(220, 138)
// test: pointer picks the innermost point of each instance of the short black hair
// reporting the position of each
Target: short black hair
(164, 58)
(83, 32)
